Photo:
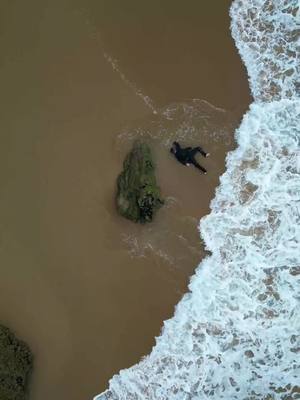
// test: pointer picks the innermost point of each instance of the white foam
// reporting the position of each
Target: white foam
(267, 35)
(113, 62)
(145, 98)
(193, 120)
(236, 334)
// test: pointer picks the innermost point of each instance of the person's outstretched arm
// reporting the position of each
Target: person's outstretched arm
(202, 152)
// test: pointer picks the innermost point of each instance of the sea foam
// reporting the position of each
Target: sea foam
(236, 333)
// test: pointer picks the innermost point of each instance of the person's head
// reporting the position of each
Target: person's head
(174, 148)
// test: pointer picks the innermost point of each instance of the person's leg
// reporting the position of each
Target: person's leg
(198, 166)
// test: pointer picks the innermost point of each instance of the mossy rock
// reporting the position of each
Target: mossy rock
(138, 195)
(16, 364)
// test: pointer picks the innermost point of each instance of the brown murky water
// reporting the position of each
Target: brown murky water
(87, 290)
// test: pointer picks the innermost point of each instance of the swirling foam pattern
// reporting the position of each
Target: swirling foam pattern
(236, 334)
(267, 34)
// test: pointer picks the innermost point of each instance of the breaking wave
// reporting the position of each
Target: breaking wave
(267, 34)
(236, 334)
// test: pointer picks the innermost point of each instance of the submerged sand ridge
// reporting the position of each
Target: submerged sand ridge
(73, 283)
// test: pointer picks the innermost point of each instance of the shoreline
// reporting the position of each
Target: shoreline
(241, 311)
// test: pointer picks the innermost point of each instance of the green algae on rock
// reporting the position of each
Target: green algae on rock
(16, 363)
(138, 195)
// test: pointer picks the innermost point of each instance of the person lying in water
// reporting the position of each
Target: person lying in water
(186, 155)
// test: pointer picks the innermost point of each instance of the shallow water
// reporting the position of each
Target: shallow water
(87, 290)
(235, 334)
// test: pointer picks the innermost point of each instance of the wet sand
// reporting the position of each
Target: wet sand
(79, 284)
